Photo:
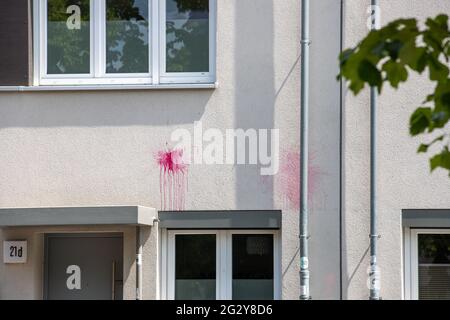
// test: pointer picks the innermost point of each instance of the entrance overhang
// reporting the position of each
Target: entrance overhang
(243, 219)
(78, 216)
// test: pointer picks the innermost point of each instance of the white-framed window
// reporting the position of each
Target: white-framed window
(427, 264)
(220, 265)
(90, 42)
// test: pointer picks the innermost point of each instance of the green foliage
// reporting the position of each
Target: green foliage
(390, 54)
(441, 160)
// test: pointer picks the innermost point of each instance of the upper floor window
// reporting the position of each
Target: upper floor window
(79, 42)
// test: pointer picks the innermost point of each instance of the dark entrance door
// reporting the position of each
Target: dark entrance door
(84, 267)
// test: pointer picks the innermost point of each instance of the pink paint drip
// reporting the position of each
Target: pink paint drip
(173, 179)
(289, 178)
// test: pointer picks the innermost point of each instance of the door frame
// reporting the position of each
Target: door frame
(48, 236)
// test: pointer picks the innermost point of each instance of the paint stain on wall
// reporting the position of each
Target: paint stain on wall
(289, 178)
(173, 179)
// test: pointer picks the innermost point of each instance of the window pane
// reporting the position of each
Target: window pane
(253, 267)
(434, 266)
(187, 35)
(127, 28)
(68, 37)
(195, 267)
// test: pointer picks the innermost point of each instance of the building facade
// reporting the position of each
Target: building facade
(150, 149)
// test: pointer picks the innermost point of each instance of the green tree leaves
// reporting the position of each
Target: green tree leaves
(420, 121)
(441, 160)
(369, 73)
(390, 54)
(424, 147)
(395, 72)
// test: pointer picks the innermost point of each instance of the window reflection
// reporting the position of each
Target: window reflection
(187, 35)
(68, 37)
(127, 36)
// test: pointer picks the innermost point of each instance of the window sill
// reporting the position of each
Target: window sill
(184, 86)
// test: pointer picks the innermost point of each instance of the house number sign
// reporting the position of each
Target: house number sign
(14, 252)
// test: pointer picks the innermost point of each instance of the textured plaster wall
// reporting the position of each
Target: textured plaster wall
(404, 179)
(97, 148)
(150, 262)
(325, 149)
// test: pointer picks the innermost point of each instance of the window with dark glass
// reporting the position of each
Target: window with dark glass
(221, 264)
(195, 267)
(434, 266)
(253, 271)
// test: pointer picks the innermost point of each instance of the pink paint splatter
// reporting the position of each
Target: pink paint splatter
(173, 181)
(289, 178)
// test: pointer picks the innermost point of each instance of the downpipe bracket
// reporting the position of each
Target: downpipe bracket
(306, 41)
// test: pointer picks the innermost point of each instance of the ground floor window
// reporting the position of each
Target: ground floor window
(220, 264)
(429, 264)
(195, 266)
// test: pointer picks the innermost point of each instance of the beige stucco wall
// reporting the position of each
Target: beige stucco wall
(97, 148)
(404, 179)
(150, 262)
(324, 135)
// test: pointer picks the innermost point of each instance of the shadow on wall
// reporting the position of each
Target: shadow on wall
(255, 99)
(102, 108)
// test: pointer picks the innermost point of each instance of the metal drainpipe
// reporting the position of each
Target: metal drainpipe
(374, 272)
(304, 260)
(138, 264)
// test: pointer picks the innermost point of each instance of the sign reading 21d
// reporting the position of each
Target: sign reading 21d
(14, 251)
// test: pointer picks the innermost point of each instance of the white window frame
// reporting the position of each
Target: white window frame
(412, 260)
(224, 263)
(98, 75)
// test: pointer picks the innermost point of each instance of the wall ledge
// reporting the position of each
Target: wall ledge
(186, 86)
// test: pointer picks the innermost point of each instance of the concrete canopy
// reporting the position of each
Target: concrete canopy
(66, 216)
(258, 219)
